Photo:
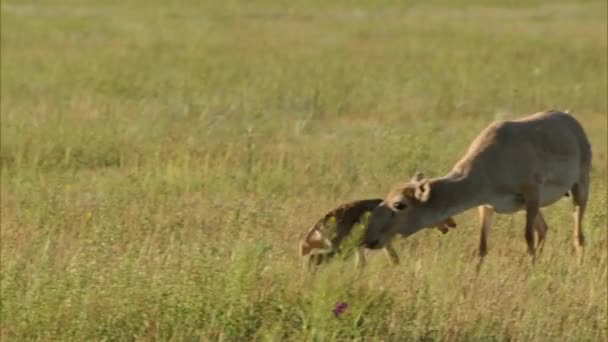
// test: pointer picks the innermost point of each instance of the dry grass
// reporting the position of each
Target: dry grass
(160, 162)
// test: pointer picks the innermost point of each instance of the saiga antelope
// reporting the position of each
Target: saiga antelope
(523, 164)
(319, 244)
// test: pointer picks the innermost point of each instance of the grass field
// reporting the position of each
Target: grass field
(160, 161)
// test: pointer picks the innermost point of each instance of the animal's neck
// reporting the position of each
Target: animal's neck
(451, 195)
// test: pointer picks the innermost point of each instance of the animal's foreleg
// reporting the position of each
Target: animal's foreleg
(391, 253)
(486, 215)
(541, 229)
(532, 209)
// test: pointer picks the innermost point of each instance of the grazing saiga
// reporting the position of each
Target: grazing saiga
(319, 244)
(523, 164)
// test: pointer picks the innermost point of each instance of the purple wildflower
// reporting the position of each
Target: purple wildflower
(339, 308)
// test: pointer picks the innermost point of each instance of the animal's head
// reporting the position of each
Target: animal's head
(401, 212)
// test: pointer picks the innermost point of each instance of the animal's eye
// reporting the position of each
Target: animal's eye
(399, 205)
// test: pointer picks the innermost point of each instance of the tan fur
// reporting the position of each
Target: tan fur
(523, 164)
(317, 247)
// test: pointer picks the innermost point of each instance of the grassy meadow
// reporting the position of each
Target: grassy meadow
(161, 160)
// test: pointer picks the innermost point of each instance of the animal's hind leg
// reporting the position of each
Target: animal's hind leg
(316, 259)
(541, 229)
(360, 261)
(310, 262)
(580, 193)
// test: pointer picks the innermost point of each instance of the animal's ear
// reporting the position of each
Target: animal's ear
(423, 191)
(417, 177)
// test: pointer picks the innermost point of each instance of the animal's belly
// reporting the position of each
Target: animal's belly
(551, 194)
(510, 203)
(507, 204)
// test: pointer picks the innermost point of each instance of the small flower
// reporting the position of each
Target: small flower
(339, 308)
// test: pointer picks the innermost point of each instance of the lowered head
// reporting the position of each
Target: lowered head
(401, 212)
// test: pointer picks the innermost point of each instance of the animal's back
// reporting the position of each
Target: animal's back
(539, 142)
(559, 133)
(548, 148)
(348, 214)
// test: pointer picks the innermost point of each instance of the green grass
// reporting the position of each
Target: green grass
(160, 161)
